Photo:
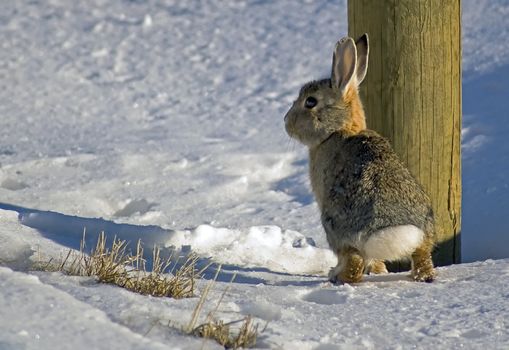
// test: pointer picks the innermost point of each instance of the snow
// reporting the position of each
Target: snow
(261, 246)
(466, 307)
(163, 121)
(66, 320)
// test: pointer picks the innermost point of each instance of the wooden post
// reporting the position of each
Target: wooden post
(412, 95)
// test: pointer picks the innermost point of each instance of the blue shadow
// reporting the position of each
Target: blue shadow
(67, 230)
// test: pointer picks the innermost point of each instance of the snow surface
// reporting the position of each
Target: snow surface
(466, 307)
(163, 121)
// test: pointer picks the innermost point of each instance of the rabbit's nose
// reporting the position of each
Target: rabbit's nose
(288, 114)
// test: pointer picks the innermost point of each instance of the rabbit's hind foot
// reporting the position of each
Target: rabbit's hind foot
(422, 265)
(377, 267)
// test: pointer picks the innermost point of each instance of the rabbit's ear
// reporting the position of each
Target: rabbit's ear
(362, 45)
(344, 61)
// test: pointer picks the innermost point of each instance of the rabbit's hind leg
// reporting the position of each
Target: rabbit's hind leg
(350, 267)
(422, 265)
(377, 267)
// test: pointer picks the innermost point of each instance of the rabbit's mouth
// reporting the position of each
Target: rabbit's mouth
(290, 131)
(290, 124)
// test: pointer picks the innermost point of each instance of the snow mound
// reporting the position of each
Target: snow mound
(14, 250)
(258, 246)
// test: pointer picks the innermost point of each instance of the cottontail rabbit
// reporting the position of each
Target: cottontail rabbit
(372, 209)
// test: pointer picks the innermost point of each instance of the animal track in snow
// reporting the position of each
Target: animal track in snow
(327, 297)
(140, 206)
(262, 309)
(13, 184)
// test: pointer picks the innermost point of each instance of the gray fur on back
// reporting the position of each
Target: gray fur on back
(361, 187)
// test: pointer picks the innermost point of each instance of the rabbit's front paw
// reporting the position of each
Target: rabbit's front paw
(354, 269)
(349, 269)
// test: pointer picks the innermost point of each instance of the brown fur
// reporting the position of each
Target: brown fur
(357, 119)
(378, 267)
(353, 269)
(422, 265)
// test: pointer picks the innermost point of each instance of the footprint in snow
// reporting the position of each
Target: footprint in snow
(13, 184)
(327, 297)
(140, 206)
(262, 309)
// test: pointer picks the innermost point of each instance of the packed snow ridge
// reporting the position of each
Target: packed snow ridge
(261, 246)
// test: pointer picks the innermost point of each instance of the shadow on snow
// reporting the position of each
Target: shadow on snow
(67, 230)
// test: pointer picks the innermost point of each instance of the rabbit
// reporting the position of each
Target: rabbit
(372, 209)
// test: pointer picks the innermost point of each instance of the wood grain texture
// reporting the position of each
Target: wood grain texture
(412, 95)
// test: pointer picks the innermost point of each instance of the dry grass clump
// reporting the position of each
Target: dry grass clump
(243, 336)
(126, 270)
(180, 285)
(107, 265)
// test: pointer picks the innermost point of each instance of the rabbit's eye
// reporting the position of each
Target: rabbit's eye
(310, 102)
